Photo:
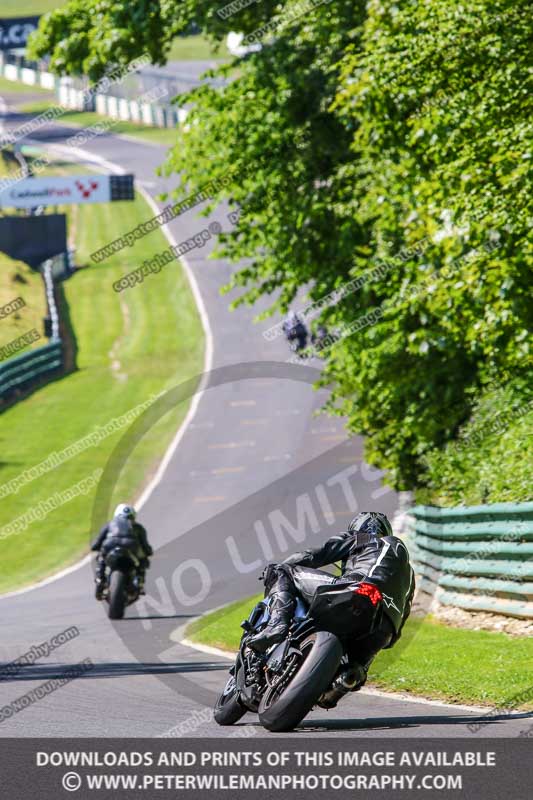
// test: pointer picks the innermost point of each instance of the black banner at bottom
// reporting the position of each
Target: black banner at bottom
(54, 769)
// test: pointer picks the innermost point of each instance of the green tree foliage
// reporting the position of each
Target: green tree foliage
(363, 134)
(490, 460)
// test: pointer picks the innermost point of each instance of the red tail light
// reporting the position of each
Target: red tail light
(370, 591)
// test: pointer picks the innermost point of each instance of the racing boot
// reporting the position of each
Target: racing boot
(140, 580)
(350, 679)
(276, 629)
(99, 579)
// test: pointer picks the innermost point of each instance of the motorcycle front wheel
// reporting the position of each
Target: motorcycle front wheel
(292, 694)
(228, 709)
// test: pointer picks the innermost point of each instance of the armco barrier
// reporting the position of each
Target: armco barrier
(31, 77)
(478, 558)
(153, 114)
(21, 371)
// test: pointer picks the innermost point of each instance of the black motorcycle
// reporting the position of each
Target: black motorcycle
(284, 684)
(296, 335)
(121, 584)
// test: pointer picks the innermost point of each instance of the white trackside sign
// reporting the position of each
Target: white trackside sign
(56, 191)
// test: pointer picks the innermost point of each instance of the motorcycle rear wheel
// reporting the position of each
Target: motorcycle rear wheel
(285, 703)
(117, 594)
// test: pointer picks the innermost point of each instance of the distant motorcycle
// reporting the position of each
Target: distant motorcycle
(284, 684)
(296, 333)
(121, 587)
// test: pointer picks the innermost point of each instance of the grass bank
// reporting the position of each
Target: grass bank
(431, 660)
(197, 48)
(17, 280)
(12, 8)
(17, 87)
(130, 346)
(83, 119)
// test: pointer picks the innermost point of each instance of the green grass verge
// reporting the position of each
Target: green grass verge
(130, 346)
(17, 87)
(18, 280)
(83, 119)
(431, 660)
(12, 8)
(197, 48)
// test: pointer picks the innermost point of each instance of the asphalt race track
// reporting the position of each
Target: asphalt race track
(252, 456)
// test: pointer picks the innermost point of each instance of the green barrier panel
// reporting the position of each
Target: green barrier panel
(494, 547)
(20, 371)
(476, 557)
(495, 605)
(472, 531)
(439, 591)
(507, 511)
(514, 570)
(490, 586)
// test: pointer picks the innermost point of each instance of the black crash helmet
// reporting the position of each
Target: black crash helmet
(372, 523)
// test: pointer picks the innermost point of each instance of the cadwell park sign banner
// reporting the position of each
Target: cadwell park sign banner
(55, 191)
(15, 31)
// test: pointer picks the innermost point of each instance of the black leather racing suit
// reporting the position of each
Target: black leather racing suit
(381, 561)
(122, 532)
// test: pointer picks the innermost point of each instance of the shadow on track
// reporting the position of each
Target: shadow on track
(393, 723)
(41, 672)
(159, 616)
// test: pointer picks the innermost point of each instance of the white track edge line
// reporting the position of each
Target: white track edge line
(400, 696)
(208, 361)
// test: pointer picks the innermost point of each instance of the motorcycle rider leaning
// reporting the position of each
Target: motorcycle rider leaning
(369, 554)
(123, 531)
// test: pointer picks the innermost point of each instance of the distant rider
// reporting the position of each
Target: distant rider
(295, 330)
(123, 531)
(370, 554)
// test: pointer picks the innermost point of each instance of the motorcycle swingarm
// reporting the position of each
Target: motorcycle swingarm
(277, 658)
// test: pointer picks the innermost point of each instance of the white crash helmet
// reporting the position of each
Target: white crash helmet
(124, 510)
